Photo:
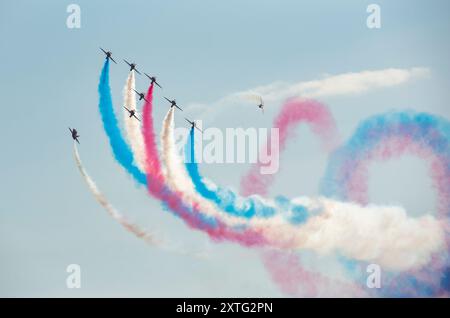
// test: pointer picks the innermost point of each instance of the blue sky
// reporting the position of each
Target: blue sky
(201, 51)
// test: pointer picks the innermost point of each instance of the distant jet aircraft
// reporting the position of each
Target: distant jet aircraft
(173, 103)
(153, 79)
(133, 67)
(193, 124)
(141, 95)
(261, 104)
(75, 135)
(132, 112)
(108, 55)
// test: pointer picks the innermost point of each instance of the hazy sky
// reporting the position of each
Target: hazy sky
(201, 51)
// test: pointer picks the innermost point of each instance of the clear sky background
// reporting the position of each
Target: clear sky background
(201, 51)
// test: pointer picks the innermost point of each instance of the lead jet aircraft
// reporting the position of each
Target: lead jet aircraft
(108, 55)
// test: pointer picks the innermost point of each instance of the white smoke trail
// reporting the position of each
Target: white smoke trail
(132, 125)
(178, 179)
(146, 236)
(381, 234)
(384, 235)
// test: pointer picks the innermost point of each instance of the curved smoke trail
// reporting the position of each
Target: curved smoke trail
(121, 150)
(331, 226)
(225, 198)
(146, 236)
(132, 126)
(293, 279)
(216, 229)
(388, 136)
(294, 112)
(188, 211)
(296, 272)
(179, 181)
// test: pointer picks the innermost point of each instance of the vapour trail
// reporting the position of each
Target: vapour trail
(190, 212)
(226, 199)
(387, 136)
(394, 146)
(216, 228)
(172, 201)
(384, 137)
(148, 237)
(293, 279)
(121, 151)
(294, 112)
(132, 125)
(331, 226)
(179, 181)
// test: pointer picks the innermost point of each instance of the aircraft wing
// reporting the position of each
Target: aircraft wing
(127, 109)
(168, 99)
(146, 99)
(137, 71)
(136, 91)
(199, 129)
(188, 120)
(127, 62)
(103, 50)
(178, 107)
(112, 59)
(70, 129)
(77, 140)
(136, 117)
(158, 84)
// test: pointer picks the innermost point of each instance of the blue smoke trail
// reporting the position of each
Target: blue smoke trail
(121, 150)
(233, 204)
(428, 130)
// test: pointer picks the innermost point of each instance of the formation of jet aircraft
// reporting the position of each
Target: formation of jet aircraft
(132, 112)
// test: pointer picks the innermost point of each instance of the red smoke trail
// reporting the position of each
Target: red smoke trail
(293, 113)
(285, 268)
(356, 188)
(157, 188)
(294, 280)
(394, 147)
